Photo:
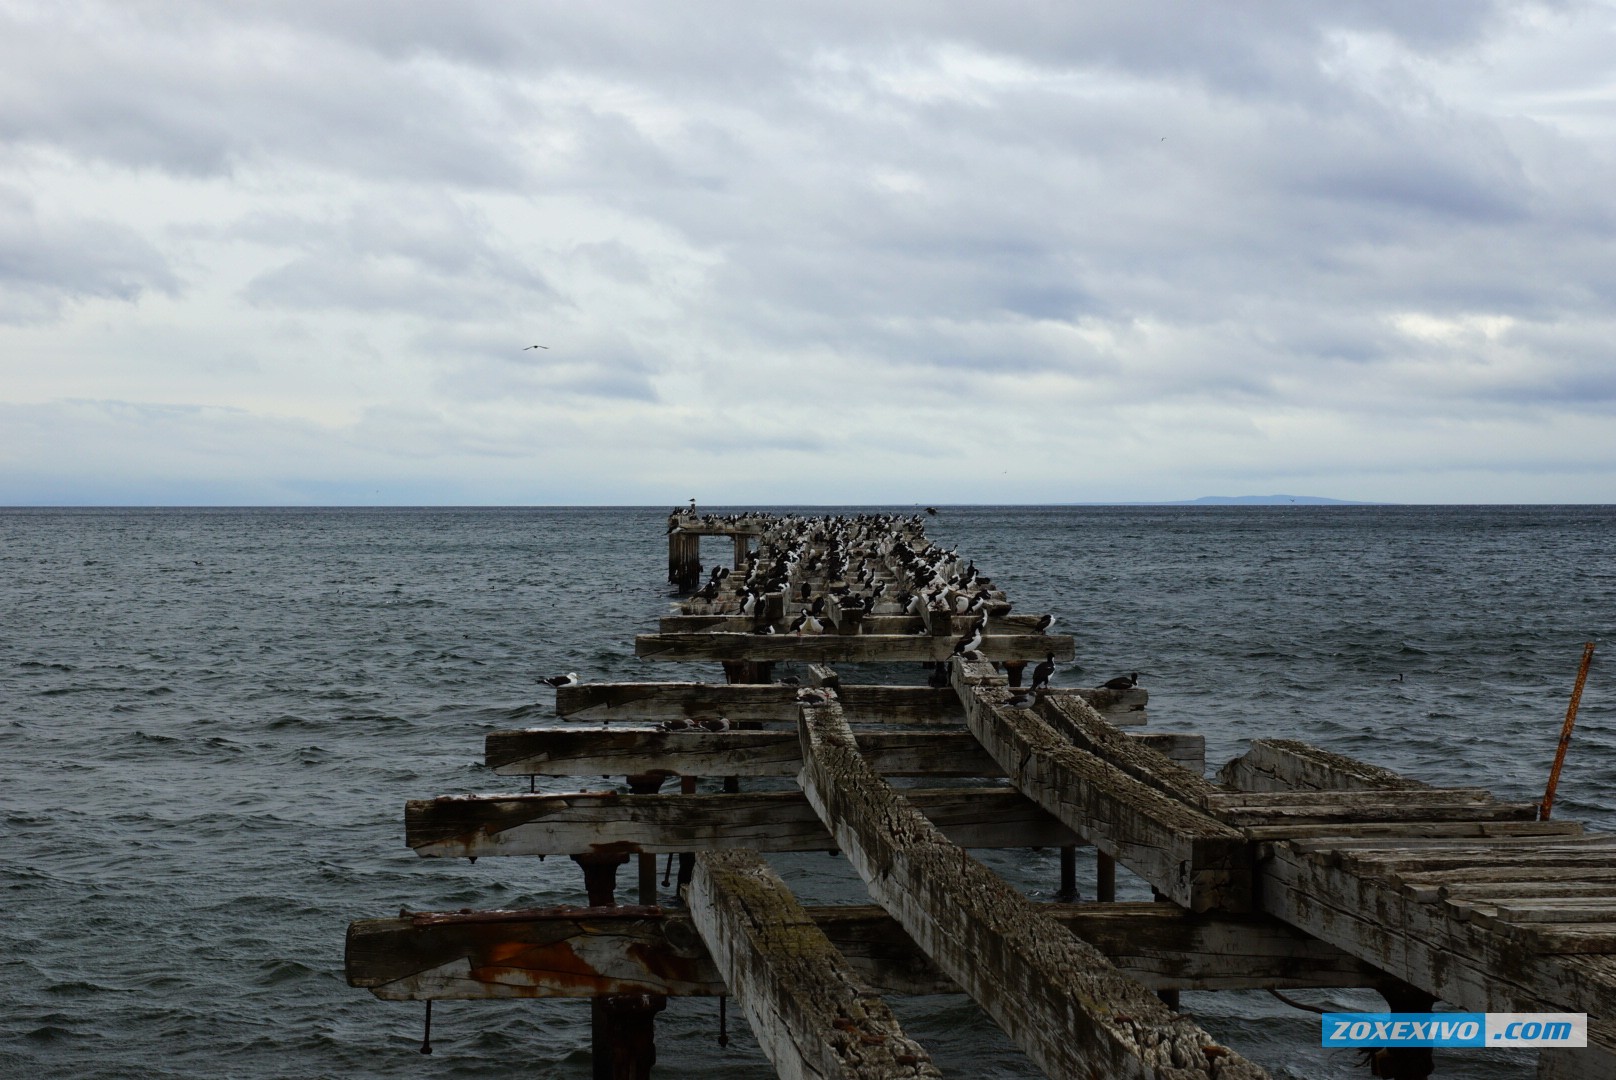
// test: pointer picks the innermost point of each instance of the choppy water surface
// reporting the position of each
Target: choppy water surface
(210, 721)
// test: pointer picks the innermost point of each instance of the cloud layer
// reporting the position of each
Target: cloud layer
(292, 252)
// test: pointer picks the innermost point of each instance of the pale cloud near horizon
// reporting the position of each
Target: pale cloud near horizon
(291, 252)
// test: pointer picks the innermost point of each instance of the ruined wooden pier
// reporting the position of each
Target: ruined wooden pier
(1295, 867)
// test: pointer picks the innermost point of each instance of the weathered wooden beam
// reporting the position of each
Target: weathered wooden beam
(1291, 765)
(811, 1014)
(476, 825)
(573, 952)
(694, 752)
(836, 648)
(869, 624)
(655, 702)
(1057, 998)
(1434, 946)
(1246, 809)
(1188, 856)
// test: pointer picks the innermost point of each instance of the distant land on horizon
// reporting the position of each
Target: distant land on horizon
(1268, 500)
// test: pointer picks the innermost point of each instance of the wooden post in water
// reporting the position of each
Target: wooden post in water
(622, 1027)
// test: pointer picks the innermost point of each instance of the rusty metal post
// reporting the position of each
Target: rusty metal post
(1565, 731)
(1105, 878)
(1012, 671)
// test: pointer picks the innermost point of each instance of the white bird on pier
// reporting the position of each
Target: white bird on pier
(1044, 623)
(972, 639)
(558, 681)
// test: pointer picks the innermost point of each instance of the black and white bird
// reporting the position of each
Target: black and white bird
(1021, 699)
(1043, 673)
(569, 679)
(812, 697)
(972, 638)
(1122, 682)
(1044, 623)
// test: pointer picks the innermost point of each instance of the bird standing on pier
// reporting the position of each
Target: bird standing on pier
(1122, 682)
(972, 638)
(558, 681)
(1044, 623)
(1043, 673)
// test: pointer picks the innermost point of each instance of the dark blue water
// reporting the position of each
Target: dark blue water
(210, 721)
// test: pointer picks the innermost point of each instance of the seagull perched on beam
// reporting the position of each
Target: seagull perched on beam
(558, 681)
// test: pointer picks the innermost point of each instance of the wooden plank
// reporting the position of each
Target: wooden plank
(1057, 998)
(1461, 961)
(622, 752)
(1186, 855)
(461, 826)
(869, 623)
(1088, 730)
(573, 952)
(773, 703)
(835, 648)
(1401, 833)
(810, 1013)
(1292, 765)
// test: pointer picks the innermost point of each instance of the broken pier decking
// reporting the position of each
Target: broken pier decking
(1298, 868)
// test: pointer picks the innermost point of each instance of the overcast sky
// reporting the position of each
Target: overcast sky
(291, 251)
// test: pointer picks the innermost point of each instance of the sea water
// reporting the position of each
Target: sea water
(210, 720)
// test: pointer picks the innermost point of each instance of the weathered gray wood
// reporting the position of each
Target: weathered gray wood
(835, 648)
(1291, 765)
(1249, 809)
(571, 952)
(1086, 729)
(870, 623)
(1186, 855)
(1588, 1063)
(460, 826)
(773, 703)
(1340, 834)
(623, 751)
(1059, 999)
(811, 1014)
(1431, 946)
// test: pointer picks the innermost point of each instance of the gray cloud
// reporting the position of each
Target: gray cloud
(1181, 243)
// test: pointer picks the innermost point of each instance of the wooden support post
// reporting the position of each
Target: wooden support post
(647, 784)
(1013, 670)
(742, 547)
(600, 876)
(1105, 878)
(1404, 1062)
(1068, 873)
(623, 1035)
(687, 859)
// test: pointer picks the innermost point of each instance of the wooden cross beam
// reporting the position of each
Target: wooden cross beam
(572, 952)
(838, 648)
(472, 826)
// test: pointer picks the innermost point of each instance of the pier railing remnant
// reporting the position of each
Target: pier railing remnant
(1296, 868)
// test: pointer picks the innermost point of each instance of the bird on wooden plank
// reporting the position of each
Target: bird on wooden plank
(717, 723)
(971, 640)
(812, 697)
(1122, 682)
(1021, 699)
(1043, 673)
(1044, 623)
(569, 679)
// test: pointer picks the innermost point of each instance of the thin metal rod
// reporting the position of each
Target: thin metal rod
(426, 1039)
(1565, 731)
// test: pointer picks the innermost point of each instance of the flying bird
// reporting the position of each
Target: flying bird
(569, 679)
(535, 347)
